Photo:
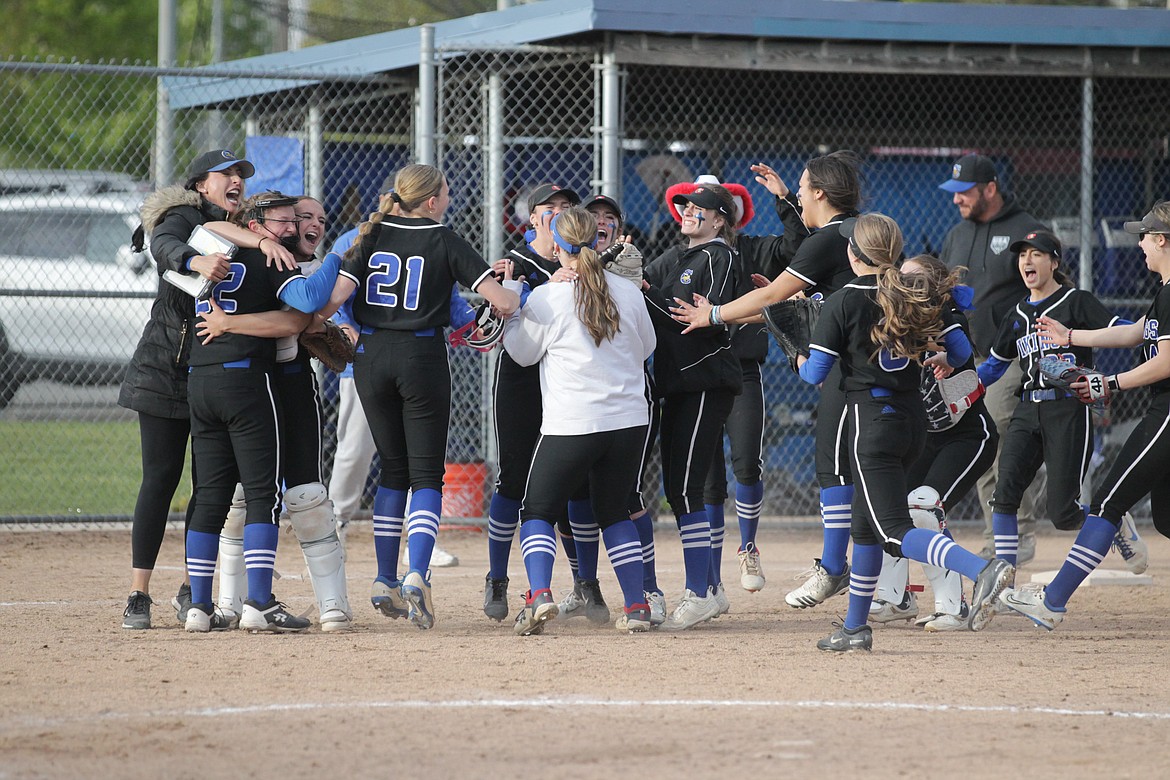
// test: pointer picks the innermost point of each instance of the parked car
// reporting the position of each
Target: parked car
(27, 181)
(73, 295)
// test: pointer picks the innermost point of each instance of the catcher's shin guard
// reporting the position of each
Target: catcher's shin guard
(311, 514)
(233, 579)
(891, 585)
(927, 512)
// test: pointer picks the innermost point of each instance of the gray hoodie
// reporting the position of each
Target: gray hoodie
(992, 270)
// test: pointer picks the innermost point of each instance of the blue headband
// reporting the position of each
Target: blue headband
(572, 249)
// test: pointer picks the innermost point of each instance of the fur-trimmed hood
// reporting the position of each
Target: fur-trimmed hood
(159, 202)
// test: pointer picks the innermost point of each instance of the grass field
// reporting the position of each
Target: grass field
(64, 467)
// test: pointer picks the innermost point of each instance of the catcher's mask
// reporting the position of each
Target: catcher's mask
(482, 333)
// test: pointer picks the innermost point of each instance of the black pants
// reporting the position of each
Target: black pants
(954, 459)
(1140, 468)
(235, 437)
(637, 502)
(832, 433)
(1055, 433)
(692, 424)
(887, 437)
(164, 447)
(517, 414)
(404, 383)
(745, 429)
(604, 463)
(296, 386)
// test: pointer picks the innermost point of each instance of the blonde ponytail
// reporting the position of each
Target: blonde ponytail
(577, 228)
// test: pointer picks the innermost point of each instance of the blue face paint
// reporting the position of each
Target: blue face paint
(699, 217)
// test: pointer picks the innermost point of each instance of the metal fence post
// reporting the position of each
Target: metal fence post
(1088, 230)
(163, 133)
(424, 143)
(610, 125)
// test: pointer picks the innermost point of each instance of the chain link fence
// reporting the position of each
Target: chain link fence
(76, 160)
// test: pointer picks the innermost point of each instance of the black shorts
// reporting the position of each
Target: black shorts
(296, 386)
(404, 383)
(604, 463)
(235, 437)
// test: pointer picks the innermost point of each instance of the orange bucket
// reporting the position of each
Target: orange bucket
(465, 490)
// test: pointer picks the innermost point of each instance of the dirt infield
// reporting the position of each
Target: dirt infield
(747, 693)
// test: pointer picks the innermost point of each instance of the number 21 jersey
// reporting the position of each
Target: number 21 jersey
(405, 269)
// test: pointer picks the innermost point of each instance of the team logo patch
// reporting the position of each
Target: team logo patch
(227, 155)
(957, 171)
(685, 276)
(999, 243)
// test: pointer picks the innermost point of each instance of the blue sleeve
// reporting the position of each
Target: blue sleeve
(817, 367)
(310, 293)
(991, 370)
(1122, 321)
(461, 311)
(958, 347)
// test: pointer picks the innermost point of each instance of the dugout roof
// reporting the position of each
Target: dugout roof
(781, 35)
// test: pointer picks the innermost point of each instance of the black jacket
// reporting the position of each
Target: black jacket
(156, 381)
(702, 359)
(992, 269)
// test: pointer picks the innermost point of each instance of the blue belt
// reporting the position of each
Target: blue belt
(424, 333)
(1050, 394)
(880, 392)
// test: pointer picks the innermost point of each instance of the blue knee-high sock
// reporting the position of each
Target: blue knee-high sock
(538, 546)
(1090, 548)
(422, 527)
(645, 526)
(749, 500)
(586, 537)
(260, 559)
(836, 514)
(936, 549)
(202, 548)
(389, 514)
(863, 579)
(1006, 530)
(625, 554)
(570, 548)
(716, 519)
(695, 531)
(503, 519)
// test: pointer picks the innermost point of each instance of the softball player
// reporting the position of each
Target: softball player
(156, 381)
(404, 264)
(235, 424)
(960, 447)
(517, 415)
(1049, 426)
(697, 377)
(876, 328)
(310, 512)
(1140, 466)
(745, 424)
(590, 338)
(830, 191)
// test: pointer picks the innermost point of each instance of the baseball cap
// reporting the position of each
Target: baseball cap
(218, 160)
(1039, 239)
(544, 193)
(846, 229)
(705, 199)
(608, 202)
(970, 170)
(1148, 224)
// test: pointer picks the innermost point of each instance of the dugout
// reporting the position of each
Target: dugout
(604, 95)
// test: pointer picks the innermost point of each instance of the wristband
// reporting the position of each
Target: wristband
(260, 243)
(1114, 385)
(1069, 344)
(715, 316)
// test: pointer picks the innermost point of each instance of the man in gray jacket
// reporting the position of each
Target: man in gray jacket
(992, 220)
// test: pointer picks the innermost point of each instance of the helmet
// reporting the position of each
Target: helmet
(484, 331)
